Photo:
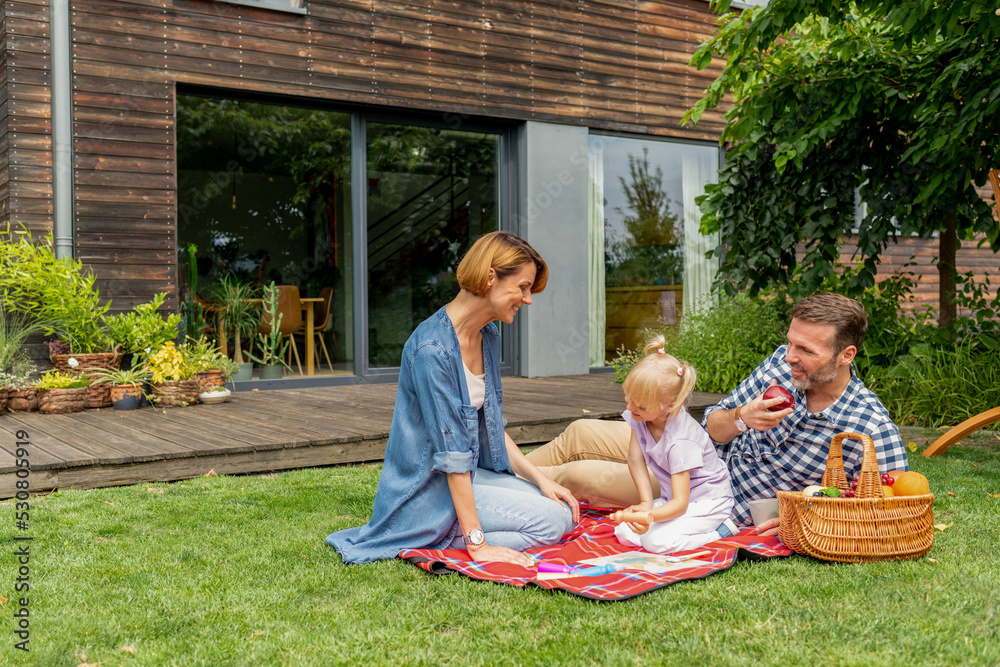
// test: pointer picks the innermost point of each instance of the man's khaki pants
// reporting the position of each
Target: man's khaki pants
(590, 459)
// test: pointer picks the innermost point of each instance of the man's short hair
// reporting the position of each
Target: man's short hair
(845, 314)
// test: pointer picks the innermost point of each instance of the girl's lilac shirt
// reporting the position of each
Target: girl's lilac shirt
(434, 432)
(684, 445)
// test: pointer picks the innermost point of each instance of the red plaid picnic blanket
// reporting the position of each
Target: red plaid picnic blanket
(594, 537)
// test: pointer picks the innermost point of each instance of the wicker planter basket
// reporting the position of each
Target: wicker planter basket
(175, 393)
(110, 360)
(209, 380)
(866, 528)
(99, 396)
(3, 400)
(23, 400)
(60, 401)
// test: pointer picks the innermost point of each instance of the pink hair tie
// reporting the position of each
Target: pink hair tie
(661, 351)
(680, 371)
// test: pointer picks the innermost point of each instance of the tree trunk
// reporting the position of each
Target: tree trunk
(947, 242)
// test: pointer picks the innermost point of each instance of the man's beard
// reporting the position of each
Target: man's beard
(823, 375)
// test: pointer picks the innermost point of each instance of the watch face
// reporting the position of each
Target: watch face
(476, 536)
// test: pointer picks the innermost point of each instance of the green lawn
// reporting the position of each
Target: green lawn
(234, 570)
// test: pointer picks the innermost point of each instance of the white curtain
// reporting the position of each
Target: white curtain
(595, 229)
(701, 166)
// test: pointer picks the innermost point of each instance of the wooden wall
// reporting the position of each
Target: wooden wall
(606, 65)
(25, 115)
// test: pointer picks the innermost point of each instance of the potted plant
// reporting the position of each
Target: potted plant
(143, 329)
(58, 294)
(212, 368)
(126, 384)
(239, 317)
(271, 348)
(15, 364)
(60, 392)
(172, 377)
(214, 395)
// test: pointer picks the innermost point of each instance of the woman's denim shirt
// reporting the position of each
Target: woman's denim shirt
(434, 431)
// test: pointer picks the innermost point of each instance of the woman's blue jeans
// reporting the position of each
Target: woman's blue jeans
(513, 513)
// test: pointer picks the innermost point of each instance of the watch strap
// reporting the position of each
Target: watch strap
(741, 425)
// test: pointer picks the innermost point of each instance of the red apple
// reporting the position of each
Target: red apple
(778, 392)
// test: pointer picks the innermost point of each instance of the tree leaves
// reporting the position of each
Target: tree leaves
(834, 99)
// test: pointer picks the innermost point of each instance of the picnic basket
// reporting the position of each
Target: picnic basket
(866, 528)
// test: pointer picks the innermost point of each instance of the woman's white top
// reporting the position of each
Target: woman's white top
(477, 387)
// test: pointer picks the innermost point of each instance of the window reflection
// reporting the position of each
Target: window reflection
(430, 193)
(264, 194)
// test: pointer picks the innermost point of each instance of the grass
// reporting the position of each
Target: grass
(234, 570)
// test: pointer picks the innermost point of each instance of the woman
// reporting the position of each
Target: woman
(448, 479)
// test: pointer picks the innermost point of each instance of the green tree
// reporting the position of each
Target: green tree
(650, 221)
(896, 101)
(651, 250)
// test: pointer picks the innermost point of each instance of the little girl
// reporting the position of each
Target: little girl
(695, 494)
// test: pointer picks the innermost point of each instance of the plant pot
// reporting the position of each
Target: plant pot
(245, 373)
(22, 400)
(271, 372)
(175, 393)
(211, 397)
(209, 380)
(126, 396)
(61, 401)
(3, 400)
(110, 360)
(98, 396)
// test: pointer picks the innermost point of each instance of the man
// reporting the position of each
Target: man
(764, 451)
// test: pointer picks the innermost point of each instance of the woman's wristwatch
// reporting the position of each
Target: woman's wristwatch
(741, 425)
(474, 538)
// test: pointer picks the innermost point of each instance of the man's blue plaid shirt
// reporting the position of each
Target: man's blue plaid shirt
(792, 455)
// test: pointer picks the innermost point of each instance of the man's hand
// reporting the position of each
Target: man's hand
(768, 528)
(757, 416)
(485, 553)
(558, 492)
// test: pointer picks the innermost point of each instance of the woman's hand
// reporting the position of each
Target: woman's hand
(484, 553)
(559, 492)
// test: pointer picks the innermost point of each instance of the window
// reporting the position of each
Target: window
(431, 192)
(264, 193)
(644, 215)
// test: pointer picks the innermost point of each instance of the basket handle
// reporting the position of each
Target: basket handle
(869, 479)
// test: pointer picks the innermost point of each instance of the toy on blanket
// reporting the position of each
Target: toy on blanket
(560, 571)
(640, 519)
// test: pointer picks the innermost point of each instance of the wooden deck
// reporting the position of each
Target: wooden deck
(264, 431)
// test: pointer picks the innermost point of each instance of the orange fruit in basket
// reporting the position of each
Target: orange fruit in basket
(887, 491)
(895, 474)
(911, 483)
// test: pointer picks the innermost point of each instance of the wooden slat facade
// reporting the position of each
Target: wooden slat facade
(604, 65)
(25, 115)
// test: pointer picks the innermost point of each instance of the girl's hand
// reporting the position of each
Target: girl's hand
(641, 507)
(485, 553)
(644, 508)
(558, 492)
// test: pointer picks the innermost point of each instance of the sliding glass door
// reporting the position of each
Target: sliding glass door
(431, 192)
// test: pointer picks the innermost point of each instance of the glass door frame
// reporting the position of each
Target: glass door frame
(506, 221)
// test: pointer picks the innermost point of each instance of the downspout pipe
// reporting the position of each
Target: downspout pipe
(62, 129)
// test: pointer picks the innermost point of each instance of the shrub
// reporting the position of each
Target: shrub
(57, 380)
(937, 385)
(724, 343)
(56, 291)
(143, 329)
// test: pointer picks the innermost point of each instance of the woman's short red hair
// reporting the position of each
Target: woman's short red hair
(505, 254)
